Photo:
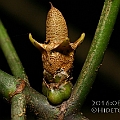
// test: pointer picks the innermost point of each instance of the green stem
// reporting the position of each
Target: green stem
(17, 70)
(37, 102)
(7, 84)
(95, 55)
(18, 107)
(7, 87)
(10, 54)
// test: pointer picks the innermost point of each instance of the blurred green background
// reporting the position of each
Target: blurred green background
(21, 17)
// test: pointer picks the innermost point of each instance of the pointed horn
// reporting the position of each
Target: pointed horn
(35, 43)
(77, 42)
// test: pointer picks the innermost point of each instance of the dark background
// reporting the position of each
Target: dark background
(20, 17)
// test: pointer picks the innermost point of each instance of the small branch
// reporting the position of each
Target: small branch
(18, 102)
(18, 107)
(11, 55)
(95, 55)
(7, 88)
(7, 84)
(37, 102)
(17, 70)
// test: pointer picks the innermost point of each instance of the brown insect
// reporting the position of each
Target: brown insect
(57, 51)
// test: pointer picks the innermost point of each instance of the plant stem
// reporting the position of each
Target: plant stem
(17, 70)
(10, 54)
(18, 104)
(7, 84)
(18, 107)
(95, 55)
(37, 102)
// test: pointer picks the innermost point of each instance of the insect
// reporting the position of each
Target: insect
(57, 57)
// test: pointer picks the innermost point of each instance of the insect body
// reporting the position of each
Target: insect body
(57, 57)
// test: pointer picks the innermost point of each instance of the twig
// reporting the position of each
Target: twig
(17, 70)
(37, 102)
(95, 55)
(10, 54)
(18, 107)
